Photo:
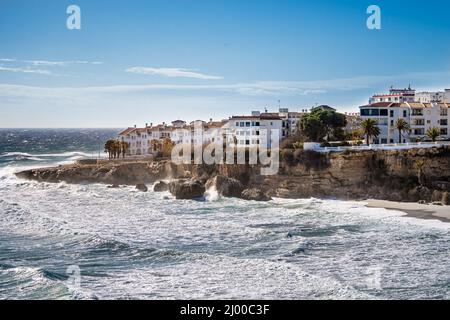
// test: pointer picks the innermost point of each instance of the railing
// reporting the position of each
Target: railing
(391, 146)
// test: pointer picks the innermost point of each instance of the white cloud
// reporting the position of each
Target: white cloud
(25, 70)
(172, 73)
(50, 63)
(58, 63)
(261, 88)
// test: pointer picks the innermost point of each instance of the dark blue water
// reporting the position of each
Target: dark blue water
(31, 145)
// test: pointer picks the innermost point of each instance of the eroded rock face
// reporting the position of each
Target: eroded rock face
(187, 189)
(227, 187)
(255, 195)
(402, 175)
(161, 186)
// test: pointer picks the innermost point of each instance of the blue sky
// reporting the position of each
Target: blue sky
(134, 62)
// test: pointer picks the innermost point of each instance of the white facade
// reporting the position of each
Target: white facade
(138, 140)
(427, 97)
(419, 116)
(252, 131)
(290, 121)
(395, 95)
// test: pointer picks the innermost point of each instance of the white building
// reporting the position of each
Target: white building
(290, 121)
(419, 116)
(140, 139)
(252, 131)
(436, 96)
(395, 95)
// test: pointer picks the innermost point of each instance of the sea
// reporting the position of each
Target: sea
(86, 241)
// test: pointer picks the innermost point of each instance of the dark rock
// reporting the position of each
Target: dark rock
(436, 196)
(422, 202)
(141, 187)
(187, 189)
(114, 186)
(445, 198)
(161, 186)
(254, 194)
(437, 203)
(227, 187)
(424, 193)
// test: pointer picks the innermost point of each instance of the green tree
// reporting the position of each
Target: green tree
(370, 129)
(433, 133)
(322, 121)
(401, 126)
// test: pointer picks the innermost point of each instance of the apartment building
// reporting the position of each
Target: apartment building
(252, 131)
(435, 96)
(140, 139)
(395, 95)
(419, 116)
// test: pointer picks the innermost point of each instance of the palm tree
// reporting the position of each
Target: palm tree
(433, 133)
(124, 146)
(109, 147)
(370, 129)
(401, 125)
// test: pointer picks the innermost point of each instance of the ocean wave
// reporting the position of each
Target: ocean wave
(45, 155)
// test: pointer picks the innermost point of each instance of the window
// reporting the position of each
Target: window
(444, 131)
(444, 122)
(257, 123)
(391, 113)
(370, 112)
(392, 123)
(257, 132)
(242, 124)
(237, 124)
(247, 124)
(417, 112)
(391, 141)
(384, 112)
(383, 141)
(404, 113)
(247, 142)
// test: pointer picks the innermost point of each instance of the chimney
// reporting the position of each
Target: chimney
(135, 126)
(151, 124)
(146, 125)
(210, 120)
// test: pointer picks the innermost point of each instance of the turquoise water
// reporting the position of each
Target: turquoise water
(128, 244)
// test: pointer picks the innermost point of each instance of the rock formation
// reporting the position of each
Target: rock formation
(187, 189)
(399, 175)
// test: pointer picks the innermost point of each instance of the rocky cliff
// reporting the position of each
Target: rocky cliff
(404, 175)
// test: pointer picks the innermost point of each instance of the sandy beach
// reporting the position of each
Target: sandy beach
(422, 211)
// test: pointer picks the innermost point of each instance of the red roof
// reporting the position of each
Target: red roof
(126, 131)
(381, 105)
